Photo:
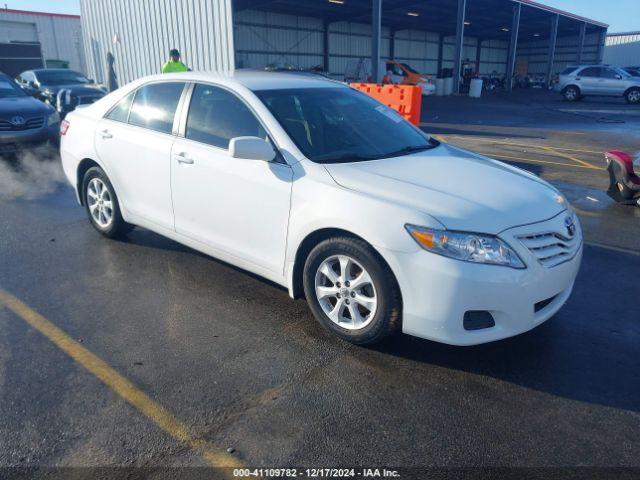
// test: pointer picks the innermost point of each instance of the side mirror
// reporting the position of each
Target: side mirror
(618, 76)
(251, 148)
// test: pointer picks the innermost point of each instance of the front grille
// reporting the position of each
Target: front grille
(29, 124)
(553, 248)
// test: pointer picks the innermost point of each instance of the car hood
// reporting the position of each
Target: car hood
(23, 106)
(460, 189)
(76, 89)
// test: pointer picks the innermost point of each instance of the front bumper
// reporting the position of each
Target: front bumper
(438, 291)
(19, 139)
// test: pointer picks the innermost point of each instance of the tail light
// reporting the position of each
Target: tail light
(64, 126)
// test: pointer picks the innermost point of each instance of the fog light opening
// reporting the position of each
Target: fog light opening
(478, 320)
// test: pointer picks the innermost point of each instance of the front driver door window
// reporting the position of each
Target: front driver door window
(236, 206)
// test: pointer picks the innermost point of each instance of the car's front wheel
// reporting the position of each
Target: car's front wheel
(352, 291)
(632, 96)
(101, 203)
(571, 94)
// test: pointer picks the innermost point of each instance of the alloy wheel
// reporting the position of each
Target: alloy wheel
(345, 292)
(100, 203)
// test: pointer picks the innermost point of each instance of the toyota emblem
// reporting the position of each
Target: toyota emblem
(17, 120)
(570, 226)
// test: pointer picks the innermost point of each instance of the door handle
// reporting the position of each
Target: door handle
(106, 134)
(183, 158)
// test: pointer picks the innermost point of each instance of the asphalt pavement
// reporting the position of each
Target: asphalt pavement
(251, 376)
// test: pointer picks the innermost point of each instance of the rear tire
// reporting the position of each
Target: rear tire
(571, 94)
(632, 96)
(101, 204)
(351, 291)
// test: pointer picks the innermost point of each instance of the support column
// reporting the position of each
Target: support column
(392, 45)
(583, 33)
(513, 45)
(440, 53)
(376, 28)
(602, 39)
(552, 46)
(457, 62)
(325, 45)
(478, 55)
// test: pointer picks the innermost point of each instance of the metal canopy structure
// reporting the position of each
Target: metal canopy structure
(512, 21)
(485, 19)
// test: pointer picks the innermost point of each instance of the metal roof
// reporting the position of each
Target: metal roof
(46, 14)
(488, 19)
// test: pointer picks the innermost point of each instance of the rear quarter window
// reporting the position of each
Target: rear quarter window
(569, 70)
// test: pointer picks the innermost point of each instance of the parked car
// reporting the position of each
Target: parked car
(577, 82)
(62, 88)
(24, 121)
(323, 190)
(403, 74)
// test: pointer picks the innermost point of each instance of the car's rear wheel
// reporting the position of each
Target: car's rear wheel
(101, 204)
(571, 94)
(352, 291)
(632, 96)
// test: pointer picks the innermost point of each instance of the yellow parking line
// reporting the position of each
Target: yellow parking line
(514, 144)
(119, 384)
(571, 157)
(570, 165)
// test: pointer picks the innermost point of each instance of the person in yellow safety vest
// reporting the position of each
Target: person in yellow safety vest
(174, 64)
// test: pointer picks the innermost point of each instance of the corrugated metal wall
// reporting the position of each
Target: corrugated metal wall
(60, 36)
(139, 34)
(264, 38)
(536, 53)
(623, 50)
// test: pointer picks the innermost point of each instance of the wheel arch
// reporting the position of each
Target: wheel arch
(314, 238)
(634, 87)
(574, 86)
(84, 165)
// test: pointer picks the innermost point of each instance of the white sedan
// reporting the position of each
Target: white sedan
(323, 190)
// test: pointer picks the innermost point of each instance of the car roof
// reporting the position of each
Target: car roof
(40, 70)
(256, 79)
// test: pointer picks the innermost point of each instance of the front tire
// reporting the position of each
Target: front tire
(101, 204)
(571, 94)
(632, 96)
(351, 291)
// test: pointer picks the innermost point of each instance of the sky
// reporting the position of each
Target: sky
(621, 15)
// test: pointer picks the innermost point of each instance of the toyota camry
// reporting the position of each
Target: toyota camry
(323, 190)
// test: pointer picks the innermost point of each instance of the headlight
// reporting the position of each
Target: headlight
(53, 118)
(468, 247)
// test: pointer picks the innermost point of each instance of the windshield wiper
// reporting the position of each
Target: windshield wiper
(410, 149)
(349, 157)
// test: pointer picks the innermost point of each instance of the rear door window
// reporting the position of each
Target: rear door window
(154, 106)
(591, 72)
(569, 70)
(120, 112)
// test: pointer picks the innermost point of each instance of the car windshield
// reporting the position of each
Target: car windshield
(8, 89)
(61, 77)
(339, 124)
(409, 68)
